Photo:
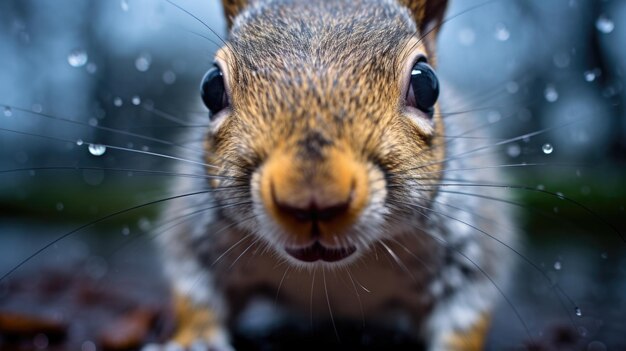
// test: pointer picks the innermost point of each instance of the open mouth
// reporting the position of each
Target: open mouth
(318, 252)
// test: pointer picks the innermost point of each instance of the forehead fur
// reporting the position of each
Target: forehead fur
(342, 36)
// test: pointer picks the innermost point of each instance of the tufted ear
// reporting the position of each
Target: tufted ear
(428, 14)
(232, 9)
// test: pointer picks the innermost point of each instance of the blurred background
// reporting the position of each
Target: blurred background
(81, 79)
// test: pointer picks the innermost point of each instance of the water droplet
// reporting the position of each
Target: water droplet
(541, 187)
(547, 148)
(117, 101)
(91, 68)
(585, 190)
(77, 58)
(467, 36)
(578, 312)
(148, 104)
(136, 100)
(169, 77)
(561, 59)
(96, 267)
(93, 122)
(97, 149)
(37, 108)
(512, 87)
(557, 265)
(79, 142)
(493, 116)
(551, 94)
(590, 76)
(502, 32)
(604, 255)
(100, 113)
(125, 231)
(144, 224)
(142, 63)
(8, 112)
(124, 5)
(604, 24)
(513, 150)
(59, 206)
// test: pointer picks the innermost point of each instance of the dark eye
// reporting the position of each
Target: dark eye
(213, 91)
(423, 88)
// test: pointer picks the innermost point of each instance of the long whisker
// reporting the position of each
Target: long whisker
(282, 280)
(482, 271)
(330, 309)
(311, 297)
(448, 19)
(244, 251)
(107, 129)
(531, 189)
(165, 115)
(232, 247)
(162, 229)
(101, 219)
(110, 169)
(486, 147)
(516, 251)
(499, 166)
(358, 296)
(114, 147)
(397, 260)
(234, 52)
(197, 19)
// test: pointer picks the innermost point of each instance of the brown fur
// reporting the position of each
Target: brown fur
(289, 180)
(317, 103)
(193, 323)
(472, 339)
(232, 8)
(324, 71)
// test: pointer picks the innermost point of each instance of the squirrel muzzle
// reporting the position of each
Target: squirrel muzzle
(314, 192)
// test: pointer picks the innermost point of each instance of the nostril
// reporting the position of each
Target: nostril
(313, 212)
(300, 214)
(331, 212)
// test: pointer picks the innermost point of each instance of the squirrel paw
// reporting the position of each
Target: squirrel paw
(197, 345)
(198, 329)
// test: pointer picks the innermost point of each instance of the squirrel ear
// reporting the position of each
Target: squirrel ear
(428, 14)
(232, 9)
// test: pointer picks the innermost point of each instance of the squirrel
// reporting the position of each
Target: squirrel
(321, 192)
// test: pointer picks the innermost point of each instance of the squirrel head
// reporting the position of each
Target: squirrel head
(328, 110)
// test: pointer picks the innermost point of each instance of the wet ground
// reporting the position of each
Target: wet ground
(103, 288)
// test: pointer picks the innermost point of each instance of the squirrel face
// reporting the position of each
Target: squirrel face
(326, 117)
